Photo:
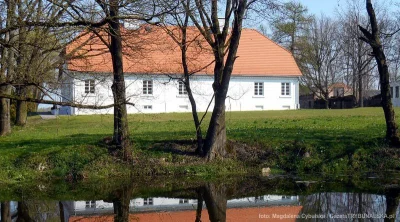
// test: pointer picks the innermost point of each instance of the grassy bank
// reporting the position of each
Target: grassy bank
(337, 141)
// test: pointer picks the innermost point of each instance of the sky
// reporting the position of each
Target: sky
(327, 7)
(315, 7)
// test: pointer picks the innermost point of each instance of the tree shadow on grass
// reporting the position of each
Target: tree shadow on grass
(332, 144)
(177, 147)
(40, 145)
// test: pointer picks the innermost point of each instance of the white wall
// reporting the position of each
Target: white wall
(138, 202)
(395, 100)
(166, 98)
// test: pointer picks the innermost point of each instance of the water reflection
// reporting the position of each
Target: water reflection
(5, 211)
(392, 196)
(215, 198)
(332, 206)
(256, 200)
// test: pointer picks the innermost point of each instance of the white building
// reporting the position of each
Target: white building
(395, 93)
(174, 204)
(265, 75)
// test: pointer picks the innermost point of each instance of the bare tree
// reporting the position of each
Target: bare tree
(186, 37)
(8, 68)
(321, 58)
(92, 16)
(224, 42)
(357, 63)
(373, 39)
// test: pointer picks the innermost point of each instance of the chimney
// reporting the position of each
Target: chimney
(131, 24)
(221, 22)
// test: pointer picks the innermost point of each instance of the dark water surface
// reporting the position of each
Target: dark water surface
(273, 198)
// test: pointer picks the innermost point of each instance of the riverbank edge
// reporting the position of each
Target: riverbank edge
(94, 162)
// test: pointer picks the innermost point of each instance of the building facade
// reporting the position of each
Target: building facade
(265, 77)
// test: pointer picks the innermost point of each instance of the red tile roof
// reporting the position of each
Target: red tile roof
(283, 213)
(152, 51)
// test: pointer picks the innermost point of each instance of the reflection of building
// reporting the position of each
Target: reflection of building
(273, 213)
(171, 209)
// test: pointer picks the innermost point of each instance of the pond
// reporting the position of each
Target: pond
(271, 198)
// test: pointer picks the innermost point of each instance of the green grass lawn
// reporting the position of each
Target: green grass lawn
(73, 143)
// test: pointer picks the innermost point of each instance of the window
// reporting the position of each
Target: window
(258, 88)
(148, 201)
(391, 92)
(148, 107)
(259, 107)
(285, 89)
(89, 86)
(90, 204)
(183, 107)
(147, 87)
(183, 201)
(261, 198)
(397, 92)
(182, 89)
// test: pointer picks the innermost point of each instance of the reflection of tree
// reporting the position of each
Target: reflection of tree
(62, 211)
(216, 201)
(23, 212)
(334, 204)
(5, 211)
(30, 211)
(392, 202)
(121, 202)
(215, 197)
(199, 205)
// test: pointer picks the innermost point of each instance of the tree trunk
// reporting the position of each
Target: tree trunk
(354, 82)
(22, 107)
(360, 90)
(215, 143)
(121, 130)
(373, 39)
(387, 106)
(326, 98)
(8, 73)
(5, 119)
(224, 50)
(216, 201)
(199, 135)
(5, 211)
